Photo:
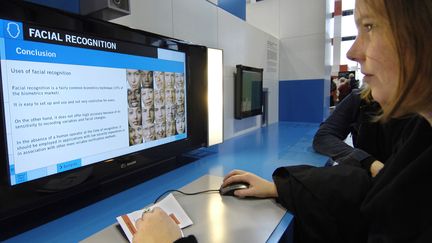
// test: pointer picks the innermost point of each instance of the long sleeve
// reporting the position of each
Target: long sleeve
(398, 206)
(329, 139)
(321, 198)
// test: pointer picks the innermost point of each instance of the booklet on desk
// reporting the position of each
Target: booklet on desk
(169, 204)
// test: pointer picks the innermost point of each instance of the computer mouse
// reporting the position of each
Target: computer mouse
(229, 189)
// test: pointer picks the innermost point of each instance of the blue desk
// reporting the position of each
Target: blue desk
(259, 152)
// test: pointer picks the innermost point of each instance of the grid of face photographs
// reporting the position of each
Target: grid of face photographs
(156, 105)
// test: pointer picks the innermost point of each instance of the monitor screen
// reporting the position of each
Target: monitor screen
(248, 91)
(71, 99)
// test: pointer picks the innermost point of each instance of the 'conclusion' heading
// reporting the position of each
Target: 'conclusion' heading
(78, 40)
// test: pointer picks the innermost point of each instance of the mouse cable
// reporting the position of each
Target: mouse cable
(184, 193)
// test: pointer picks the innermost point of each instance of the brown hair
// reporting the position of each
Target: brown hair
(411, 27)
(366, 94)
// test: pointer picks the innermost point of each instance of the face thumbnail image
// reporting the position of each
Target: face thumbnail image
(159, 97)
(159, 114)
(160, 129)
(149, 133)
(170, 128)
(180, 125)
(180, 112)
(169, 96)
(134, 97)
(180, 96)
(147, 79)
(169, 80)
(135, 135)
(147, 97)
(134, 78)
(159, 80)
(170, 112)
(179, 81)
(148, 115)
(134, 116)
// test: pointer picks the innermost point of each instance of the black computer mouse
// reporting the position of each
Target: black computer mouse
(229, 189)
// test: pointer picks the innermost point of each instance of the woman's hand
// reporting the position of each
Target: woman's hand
(376, 167)
(258, 187)
(156, 226)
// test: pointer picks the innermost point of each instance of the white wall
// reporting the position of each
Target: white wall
(301, 28)
(302, 39)
(245, 44)
(304, 33)
(202, 22)
(264, 15)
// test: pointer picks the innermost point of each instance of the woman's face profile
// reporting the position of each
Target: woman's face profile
(375, 51)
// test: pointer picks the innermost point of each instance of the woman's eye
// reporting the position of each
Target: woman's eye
(368, 27)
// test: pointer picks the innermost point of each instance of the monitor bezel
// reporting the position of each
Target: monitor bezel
(111, 176)
(238, 92)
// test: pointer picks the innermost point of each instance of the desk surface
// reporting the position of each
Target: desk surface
(217, 219)
(260, 152)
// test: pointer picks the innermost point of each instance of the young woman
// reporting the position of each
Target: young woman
(344, 203)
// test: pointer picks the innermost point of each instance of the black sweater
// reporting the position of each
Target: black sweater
(372, 140)
(344, 204)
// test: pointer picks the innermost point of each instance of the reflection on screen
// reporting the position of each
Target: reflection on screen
(71, 100)
(251, 92)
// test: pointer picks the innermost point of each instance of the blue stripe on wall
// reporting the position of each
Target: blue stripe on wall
(303, 100)
(235, 7)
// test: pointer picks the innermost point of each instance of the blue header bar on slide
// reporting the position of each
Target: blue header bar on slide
(42, 52)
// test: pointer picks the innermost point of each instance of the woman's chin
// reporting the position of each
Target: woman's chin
(378, 97)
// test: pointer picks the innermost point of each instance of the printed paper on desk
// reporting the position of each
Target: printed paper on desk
(169, 204)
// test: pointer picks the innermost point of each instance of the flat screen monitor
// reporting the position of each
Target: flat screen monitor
(68, 104)
(86, 104)
(248, 91)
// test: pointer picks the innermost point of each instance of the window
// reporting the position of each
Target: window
(348, 26)
(348, 34)
(348, 4)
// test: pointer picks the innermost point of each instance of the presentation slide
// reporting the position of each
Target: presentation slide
(82, 100)
(64, 108)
